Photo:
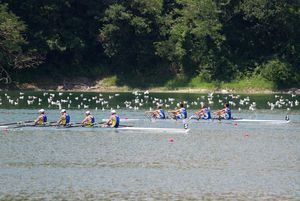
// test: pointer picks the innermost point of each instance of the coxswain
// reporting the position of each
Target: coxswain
(42, 118)
(64, 119)
(224, 113)
(89, 120)
(114, 120)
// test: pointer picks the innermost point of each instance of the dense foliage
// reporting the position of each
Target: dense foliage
(149, 42)
(13, 55)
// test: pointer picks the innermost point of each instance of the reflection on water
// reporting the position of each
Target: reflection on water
(215, 161)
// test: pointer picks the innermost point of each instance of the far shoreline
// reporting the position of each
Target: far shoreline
(125, 89)
(110, 85)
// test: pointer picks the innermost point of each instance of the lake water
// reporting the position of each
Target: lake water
(214, 161)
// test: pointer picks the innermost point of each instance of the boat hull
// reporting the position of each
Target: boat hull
(100, 129)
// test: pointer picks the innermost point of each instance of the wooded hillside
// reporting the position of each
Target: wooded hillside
(150, 42)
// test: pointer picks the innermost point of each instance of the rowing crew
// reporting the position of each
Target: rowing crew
(181, 113)
(114, 120)
(88, 121)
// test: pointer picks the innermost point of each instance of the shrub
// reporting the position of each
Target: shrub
(277, 71)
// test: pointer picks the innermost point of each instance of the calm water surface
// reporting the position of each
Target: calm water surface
(214, 161)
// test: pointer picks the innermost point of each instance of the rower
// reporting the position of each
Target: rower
(114, 120)
(64, 119)
(203, 113)
(159, 113)
(42, 118)
(180, 113)
(89, 120)
(225, 113)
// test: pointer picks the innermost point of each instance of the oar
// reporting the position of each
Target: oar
(99, 125)
(149, 115)
(104, 125)
(22, 125)
(8, 124)
(173, 114)
(18, 122)
(101, 122)
(52, 123)
(149, 112)
(67, 126)
(74, 126)
(126, 126)
(187, 121)
(218, 113)
(82, 125)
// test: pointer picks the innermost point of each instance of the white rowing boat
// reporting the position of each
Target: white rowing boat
(273, 121)
(100, 129)
(160, 130)
(239, 120)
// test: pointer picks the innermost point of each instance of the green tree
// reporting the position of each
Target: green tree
(66, 32)
(129, 30)
(277, 71)
(257, 30)
(13, 55)
(195, 42)
(144, 39)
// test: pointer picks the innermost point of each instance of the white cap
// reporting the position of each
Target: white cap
(87, 112)
(113, 112)
(63, 111)
(41, 111)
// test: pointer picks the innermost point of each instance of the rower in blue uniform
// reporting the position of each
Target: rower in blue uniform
(180, 113)
(42, 118)
(225, 113)
(114, 120)
(64, 119)
(89, 120)
(204, 113)
(159, 113)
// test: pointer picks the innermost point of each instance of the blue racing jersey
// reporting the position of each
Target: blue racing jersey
(92, 119)
(227, 113)
(68, 118)
(115, 121)
(162, 114)
(206, 114)
(45, 118)
(182, 114)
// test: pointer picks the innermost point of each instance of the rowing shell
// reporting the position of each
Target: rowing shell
(99, 129)
(262, 121)
(124, 120)
(164, 130)
(271, 121)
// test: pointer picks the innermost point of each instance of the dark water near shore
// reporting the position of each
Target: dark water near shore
(214, 161)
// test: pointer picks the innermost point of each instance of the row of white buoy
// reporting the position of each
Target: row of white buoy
(142, 98)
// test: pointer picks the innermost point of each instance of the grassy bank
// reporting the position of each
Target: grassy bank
(255, 84)
(252, 84)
